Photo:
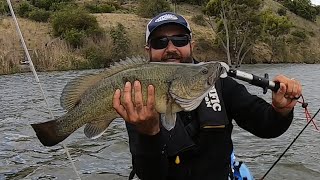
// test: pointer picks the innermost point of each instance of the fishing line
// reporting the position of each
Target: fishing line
(311, 120)
(31, 66)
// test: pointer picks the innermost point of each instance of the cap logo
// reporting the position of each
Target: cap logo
(166, 17)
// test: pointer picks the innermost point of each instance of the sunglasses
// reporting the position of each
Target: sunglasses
(162, 42)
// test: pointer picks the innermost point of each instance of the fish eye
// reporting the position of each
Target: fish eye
(205, 71)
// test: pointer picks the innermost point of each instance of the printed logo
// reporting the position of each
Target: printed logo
(212, 100)
(166, 17)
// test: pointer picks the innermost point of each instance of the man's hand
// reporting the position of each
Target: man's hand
(133, 111)
(287, 96)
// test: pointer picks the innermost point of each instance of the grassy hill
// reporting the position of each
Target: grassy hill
(49, 53)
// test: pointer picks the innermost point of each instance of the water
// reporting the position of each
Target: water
(23, 157)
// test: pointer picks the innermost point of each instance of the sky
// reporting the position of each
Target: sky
(316, 2)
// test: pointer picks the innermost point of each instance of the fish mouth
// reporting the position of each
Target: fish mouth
(211, 79)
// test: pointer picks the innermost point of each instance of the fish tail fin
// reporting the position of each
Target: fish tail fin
(47, 134)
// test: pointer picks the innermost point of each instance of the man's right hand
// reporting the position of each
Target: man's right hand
(144, 117)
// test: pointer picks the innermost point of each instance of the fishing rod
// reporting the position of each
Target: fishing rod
(255, 80)
(294, 140)
(32, 68)
(266, 84)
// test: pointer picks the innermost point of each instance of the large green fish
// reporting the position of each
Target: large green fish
(88, 99)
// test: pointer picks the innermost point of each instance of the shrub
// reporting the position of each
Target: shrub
(24, 9)
(302, 8)
(121, 42)
(43, 4)
(39, 15)
(299, 36)
(312, 34)
(196, 2)
(47, 4)
(77, 19)
(74, 25)
(282, 11)
(4, 8)
(96, 57)
(100, 8)
(57, 6)
(199, 20)
(74, 37)
(150, 8)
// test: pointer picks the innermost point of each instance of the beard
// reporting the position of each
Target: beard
(175, 57)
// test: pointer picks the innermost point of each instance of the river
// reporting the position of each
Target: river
(23, 157)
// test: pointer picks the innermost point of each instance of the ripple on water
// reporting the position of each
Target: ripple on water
(23, 157)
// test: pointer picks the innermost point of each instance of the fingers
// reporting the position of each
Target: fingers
(299, 90)
(127, 102)
(151, 98)
(293, 87)
(138, 101)
(117, 104)
(145, 117)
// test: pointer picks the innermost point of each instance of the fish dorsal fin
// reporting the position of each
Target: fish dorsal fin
(127, 64)
(74, 90)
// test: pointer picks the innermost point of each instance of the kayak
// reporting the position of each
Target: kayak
(239, 169)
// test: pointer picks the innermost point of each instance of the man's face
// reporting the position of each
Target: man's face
(170, 43)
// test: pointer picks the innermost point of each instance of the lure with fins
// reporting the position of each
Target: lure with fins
(88, 99)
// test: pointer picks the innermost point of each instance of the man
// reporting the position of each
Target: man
(200, 145)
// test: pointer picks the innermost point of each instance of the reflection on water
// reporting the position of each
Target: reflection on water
(23, 157)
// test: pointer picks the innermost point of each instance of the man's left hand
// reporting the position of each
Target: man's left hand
(288, 94)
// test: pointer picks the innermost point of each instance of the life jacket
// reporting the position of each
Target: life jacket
(200, 126)
(210, 114)
(208, 118)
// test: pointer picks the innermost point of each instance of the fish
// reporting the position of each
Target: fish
(88, 99)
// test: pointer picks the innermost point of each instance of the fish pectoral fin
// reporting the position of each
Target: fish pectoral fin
(47, 134)
(189, 105)
(95, 129)
(168, 119)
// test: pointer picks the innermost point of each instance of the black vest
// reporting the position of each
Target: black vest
(201, 139)
(211, 114)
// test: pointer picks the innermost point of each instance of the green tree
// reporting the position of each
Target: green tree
(237, 25)
(274, 29)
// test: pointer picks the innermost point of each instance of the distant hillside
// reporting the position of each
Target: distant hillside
(308, 51)
(54, 54)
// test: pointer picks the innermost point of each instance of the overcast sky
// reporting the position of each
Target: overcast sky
(316, 2)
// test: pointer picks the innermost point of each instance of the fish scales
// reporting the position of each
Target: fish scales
(89, 99)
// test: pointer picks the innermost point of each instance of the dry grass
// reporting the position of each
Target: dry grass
(11, 51)
(47, 53)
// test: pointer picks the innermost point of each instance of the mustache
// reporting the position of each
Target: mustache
(171, 55)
